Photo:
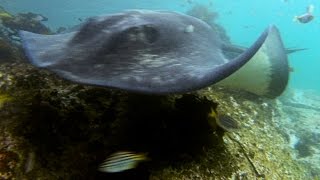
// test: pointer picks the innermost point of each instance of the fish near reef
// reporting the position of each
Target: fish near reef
(121, 161)
(225, 122)
(140, 51)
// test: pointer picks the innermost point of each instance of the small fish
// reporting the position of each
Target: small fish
(121, 161)
(225, 122)
(212, 116)
(306, 17)
(39, 17)
(33, 16)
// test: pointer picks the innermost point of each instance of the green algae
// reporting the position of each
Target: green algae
(3, 99)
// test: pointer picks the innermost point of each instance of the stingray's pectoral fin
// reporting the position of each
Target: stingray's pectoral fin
(44, 50)
(267, 72)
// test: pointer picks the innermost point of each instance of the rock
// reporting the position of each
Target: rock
(9, 53)
(300, 123)
(54, 129)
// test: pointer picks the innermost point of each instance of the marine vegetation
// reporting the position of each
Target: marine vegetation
(56, 129)
(3, 99)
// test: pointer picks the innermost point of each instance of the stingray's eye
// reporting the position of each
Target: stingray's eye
(86, 31)
(131, 39)
(141, 34)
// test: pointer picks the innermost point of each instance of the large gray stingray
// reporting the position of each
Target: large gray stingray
(146, 51)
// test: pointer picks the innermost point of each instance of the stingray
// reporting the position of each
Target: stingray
(151, 52)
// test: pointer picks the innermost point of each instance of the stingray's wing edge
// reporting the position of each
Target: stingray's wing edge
(44, 50)
(232, 66)
(267, 72)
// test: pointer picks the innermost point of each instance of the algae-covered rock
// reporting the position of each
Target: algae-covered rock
(8, 53)
(10, 25)
(54, 129)
(28, 22)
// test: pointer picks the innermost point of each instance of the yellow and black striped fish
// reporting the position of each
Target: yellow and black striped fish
(225, 122)
(121, 161)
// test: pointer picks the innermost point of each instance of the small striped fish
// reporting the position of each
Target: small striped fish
(225, 122)
(121, 161)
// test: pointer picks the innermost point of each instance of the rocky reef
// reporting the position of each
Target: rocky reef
(53, 129)
(301, 126)
(9, 27)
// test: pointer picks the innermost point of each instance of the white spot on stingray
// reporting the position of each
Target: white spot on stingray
(138, 71)
(189, 29)
(124, 78)
(156, 79)
(138, 78)
(98, 66)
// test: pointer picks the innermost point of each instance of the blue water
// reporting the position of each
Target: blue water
(244, 20)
